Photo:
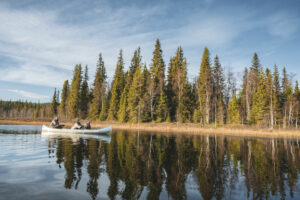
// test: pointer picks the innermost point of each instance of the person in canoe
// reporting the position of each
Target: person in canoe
(55, 123)
(77, 125)
(87, 125)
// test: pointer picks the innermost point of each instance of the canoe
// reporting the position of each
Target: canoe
(101, 131)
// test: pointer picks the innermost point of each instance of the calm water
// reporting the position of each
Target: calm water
(129, 165)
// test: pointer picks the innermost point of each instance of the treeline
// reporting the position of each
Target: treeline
(24, 110)
(143, 95)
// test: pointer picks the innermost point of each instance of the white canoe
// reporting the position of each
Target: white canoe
(101, 131)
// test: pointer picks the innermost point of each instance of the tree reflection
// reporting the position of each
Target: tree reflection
(148, 164)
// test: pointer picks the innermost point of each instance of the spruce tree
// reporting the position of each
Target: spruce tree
(104, 109)
(84, 95)
(64, 96)
(99, 90)
(259, 105)
(157, 71)
(74, 95)
(233, 115)
(54, 103)
(205, 88)
(162, 108)
(135, 95)
(218, 87)
(269, 96)
(177, 80)
(297, 104)
(117, 89)
(286, 99)
(276, 97)
(123, 109)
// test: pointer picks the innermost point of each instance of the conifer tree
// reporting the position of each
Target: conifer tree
(64, 96)
(135, 63)
(245, 99)
(74, 95)
(104, 109)
(233, 115)
(54, 103)
(162, 108)
(218, 87)
(205, 88)
(135, 95)
(123, 109)
(269, 96)
(287, 95)
(259, 108)
(99, 90)
(157, 71)
(117, 89)
(177, 81)
(297, 104)
(276, 96)
(84, 95)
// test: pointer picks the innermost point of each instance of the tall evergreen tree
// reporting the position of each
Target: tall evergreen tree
(99, 89)
(123, 109)
(157, 71)
(205, 88)
(233, 114)
(269, 96)
(54, 103)
(74, 96)
(276, 96)
(286, 98)
(104, 109)
(64, 96)
(218, 87)
(297, 104)
(84, 95)
(162, 108)
(117, 89)
(259, 108)
(177, 81)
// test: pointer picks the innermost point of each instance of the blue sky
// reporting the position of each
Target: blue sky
(41, 41)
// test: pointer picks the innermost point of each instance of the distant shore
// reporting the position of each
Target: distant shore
(174, 128)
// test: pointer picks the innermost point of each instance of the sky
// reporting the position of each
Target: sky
(42, 41)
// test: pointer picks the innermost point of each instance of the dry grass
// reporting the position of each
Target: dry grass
(174, 128)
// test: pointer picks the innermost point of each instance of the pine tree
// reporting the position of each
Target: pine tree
(73, 108)
(269, 98)
(157, 71)
(99, 90)
(276, 96)
(162, 108)
(123, 109)
(205, 88)
(286, 98)
(245, 101)
(218, 87)
(64, 96)
(297, 104)
(84, 95)
(54, 103)
(135, 95)
(177, 81)
(117, 88)
(259, 108)
(135, 63)
(233, 115)
(104, 108)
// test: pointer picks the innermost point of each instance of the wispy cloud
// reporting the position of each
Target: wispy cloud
(47, 43)
(30, 95)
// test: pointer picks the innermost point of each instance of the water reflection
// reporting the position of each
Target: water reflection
(144, 165)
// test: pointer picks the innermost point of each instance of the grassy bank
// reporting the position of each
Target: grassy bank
(174, 128)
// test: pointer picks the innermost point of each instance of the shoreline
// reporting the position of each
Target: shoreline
(175, 129)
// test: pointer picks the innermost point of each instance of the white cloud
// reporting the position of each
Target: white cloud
(30, 95)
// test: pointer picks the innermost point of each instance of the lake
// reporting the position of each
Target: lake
(131, 165)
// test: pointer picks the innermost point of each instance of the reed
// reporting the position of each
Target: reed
(177, 128)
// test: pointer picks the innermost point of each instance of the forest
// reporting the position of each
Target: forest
(265, 97)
